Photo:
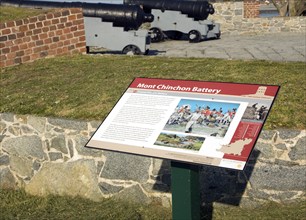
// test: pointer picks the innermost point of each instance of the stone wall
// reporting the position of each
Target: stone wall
(233, 20)
(56, 33)
(47, 156)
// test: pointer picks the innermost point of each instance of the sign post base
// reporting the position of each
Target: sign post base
(185, 191)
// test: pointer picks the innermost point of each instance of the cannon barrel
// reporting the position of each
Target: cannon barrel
(199, 10)
(127, 16)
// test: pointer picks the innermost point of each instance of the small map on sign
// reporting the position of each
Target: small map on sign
(236, 147)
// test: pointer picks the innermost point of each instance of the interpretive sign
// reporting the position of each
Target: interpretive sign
(198, 122)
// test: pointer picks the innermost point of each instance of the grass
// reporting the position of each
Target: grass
(9, 13)
(87, 87)
(19, 205)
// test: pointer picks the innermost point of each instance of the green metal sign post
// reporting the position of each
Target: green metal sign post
(185, 191)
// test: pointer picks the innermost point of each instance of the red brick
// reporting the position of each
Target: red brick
(65, 12)
(23, 28)
(2, 45)
(74, 28)
(26, 21)
(37, 31)
(35, 37)
(60, 44)
(37, 49)
(31, 26)
(59, 32)
(82, 38)
(14, 48)
(39, 24)
(9, 63)
(69, 36)
(25, 59)
(10, 24)
(20, 53)
(55, 39)
(82, 44)
(43, 36)
(29, 33)
(3, 57)
(52, 28)
(48, 41)
(71, 47)
(34, 56)
(53, 46)
(5, 50)
(20, 34)
(81, 26)
(18, 41)
(8, 43)
(67, 42)
(77, 22)
(6, 31)
(26, 39)
(45, 29)
(41, 17)
(66, 30)
(60, 26)
(78, 33)
(17, 60)
(74, 40)
(59, 51)
(49, 15)
(51, 34)
(71, 17)
(2, 25)
(31, 44)
(11, 56)
(3, 38)
(55, 21)
(79, 16)
(68, 24)
(33, 19)
(63, 19)
(57, 14)
(28, 51)
(47, 22)
(3, 64)
(63, 37)
(52, 52)
(39, 43)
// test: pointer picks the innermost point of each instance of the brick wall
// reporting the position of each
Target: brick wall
(251, 8)
(56, 33)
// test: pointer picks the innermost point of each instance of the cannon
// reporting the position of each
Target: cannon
(175, 18)
(111, 26)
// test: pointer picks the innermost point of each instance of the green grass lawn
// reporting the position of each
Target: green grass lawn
(15, 13)
(19, 205)
(87, 86)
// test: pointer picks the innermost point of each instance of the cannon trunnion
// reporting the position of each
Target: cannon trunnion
(177, 18)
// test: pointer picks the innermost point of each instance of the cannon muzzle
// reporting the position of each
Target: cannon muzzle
(199, 10)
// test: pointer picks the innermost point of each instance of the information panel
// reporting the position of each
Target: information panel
(198, 122)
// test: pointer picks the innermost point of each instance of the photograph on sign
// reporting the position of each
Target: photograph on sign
(192, 121)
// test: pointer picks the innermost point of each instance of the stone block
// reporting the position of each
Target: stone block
(9, 117)
(266, 151)
(288, 134)
(59, 143)
(77, 178)
(80, 142)
(267, 135)
(55, 156)
(7, 179)
(24, 146)
(277, 177)
(109, 189)
(126, 167)
(4, 160)
(133, 194)
(68, 124)
(37, 123)
(298, 152)
(21, 165)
